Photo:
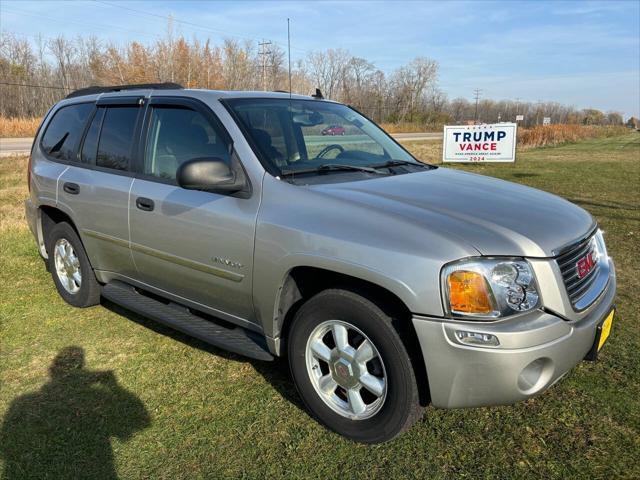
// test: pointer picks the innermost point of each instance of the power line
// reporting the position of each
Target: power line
(65, 20)
(171, 18)
(185, 22)
(31, 85)
(141, 12)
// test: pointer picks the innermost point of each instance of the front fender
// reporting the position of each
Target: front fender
(299, 227)
(270, 274)
(400, 289)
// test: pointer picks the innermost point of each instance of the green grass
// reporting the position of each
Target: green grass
(151, 403)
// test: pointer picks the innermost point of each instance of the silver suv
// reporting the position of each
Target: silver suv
(387, 283)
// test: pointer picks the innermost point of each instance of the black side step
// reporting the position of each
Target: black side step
(237, 339)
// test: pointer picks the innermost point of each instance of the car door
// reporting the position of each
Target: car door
(193, 244)
(96, 186)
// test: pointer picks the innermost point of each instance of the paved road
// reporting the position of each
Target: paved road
(418, 136)
(15, 146)
(22, 146)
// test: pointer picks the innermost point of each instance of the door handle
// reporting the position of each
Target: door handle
(72, 188)
(145, 204)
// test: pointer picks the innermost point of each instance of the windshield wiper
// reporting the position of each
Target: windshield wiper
(397, 163)
(328, 167)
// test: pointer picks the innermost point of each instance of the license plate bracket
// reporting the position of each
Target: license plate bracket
(602, 334)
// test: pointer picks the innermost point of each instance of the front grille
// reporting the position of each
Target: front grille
(577, 287)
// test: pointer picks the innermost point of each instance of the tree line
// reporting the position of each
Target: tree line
(36, 74)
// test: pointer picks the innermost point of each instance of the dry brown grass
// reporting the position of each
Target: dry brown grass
(428, 151)
(18, 127)
(550, 135)
(13, 191)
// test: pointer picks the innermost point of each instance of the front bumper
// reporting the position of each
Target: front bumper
(535, 351)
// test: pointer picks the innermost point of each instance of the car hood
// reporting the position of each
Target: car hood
(493, 216)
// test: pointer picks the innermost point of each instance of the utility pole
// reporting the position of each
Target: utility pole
(264, 53)
(538, 106)
(476, 95)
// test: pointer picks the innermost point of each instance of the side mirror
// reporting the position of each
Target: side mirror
(209, 175)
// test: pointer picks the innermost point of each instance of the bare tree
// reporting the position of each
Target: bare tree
(328, 70)
(410, 83)
(64, 52)
(45, 71)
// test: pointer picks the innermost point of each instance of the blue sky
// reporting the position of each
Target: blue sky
(586, 54)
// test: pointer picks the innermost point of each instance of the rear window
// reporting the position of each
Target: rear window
(116, 138)
(65, 128)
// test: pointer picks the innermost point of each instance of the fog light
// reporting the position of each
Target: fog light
(535, 376)
(477, 339)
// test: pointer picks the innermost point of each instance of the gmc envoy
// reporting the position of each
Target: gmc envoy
(387, 283)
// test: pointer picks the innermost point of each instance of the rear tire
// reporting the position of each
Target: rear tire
(70, 269)
(328, 335)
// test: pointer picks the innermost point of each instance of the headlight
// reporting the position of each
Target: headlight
(489, 288)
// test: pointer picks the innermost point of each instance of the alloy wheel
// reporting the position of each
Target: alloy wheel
(346, 369)
(67, 266)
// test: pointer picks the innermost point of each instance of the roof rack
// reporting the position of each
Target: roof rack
(118, 88)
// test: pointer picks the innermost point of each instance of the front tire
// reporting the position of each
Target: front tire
(351, 367)
(70, 268)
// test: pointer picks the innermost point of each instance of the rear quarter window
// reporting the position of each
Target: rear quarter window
(64, 130)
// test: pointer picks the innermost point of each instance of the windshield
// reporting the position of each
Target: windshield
(308, 135)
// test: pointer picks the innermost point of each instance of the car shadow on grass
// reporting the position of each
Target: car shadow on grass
(64, 430)
(276, 373)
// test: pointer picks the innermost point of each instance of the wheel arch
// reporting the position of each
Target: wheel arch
(49, 216)
(303, 282)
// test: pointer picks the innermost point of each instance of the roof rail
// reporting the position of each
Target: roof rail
(118, 88)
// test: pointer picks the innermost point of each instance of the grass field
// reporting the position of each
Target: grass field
(151, 403)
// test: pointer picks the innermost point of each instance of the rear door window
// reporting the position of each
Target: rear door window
(64, 130)
(116, 143)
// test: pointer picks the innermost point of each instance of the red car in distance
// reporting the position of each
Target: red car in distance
(333, 130)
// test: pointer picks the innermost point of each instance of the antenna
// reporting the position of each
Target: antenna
(289, 51)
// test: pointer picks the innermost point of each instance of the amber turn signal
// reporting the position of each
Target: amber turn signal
(468, 292)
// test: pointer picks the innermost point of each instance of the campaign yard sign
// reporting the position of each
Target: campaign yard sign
(479, 143)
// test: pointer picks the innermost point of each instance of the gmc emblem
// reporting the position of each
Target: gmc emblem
(585, 265)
